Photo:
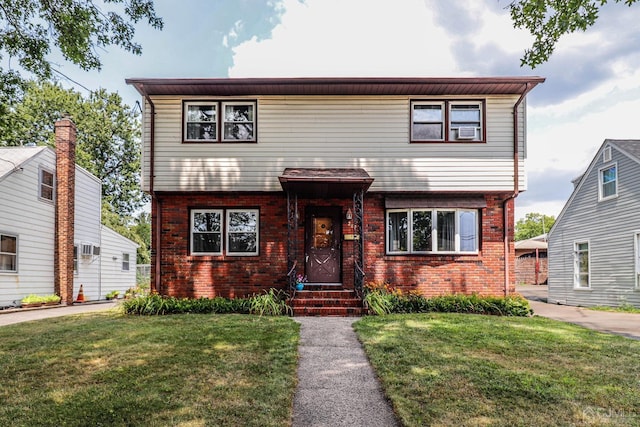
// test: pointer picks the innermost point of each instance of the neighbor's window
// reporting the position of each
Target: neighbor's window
(608, 182)
(213, 121)
(239, 121)
(239, 226)
(75, 259)
(46, 184)
(637, 248)
(242, 232)
(206, 232)
(449, 121)
(432, 231)
(581, 265)
(8, 253)
(125, 262)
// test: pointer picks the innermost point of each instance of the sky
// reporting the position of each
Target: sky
(591, 93)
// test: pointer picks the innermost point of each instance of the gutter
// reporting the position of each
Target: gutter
(155, 202)
(516, 187)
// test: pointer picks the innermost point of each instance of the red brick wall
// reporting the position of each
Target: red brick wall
(194, 276)
(65, 134)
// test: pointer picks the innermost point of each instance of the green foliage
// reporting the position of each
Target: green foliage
(534, 224)
(154, 304)
(112, 294)
(386, 300)
(40, 299)
(271, 303)
(78, 29)
(548, 20)
(108, 135)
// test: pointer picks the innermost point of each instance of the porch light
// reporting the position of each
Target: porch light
(349, 215)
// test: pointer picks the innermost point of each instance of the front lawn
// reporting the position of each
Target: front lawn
(108, 369)
(472, 370)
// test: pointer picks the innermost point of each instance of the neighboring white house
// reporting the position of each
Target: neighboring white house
(28, 196)
(594, 245)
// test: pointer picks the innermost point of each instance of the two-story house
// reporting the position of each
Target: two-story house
(594, 245)
(51, 239)
(343, 180)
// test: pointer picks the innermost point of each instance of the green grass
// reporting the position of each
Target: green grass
(472, 370)
(625, 308)
(111, 370)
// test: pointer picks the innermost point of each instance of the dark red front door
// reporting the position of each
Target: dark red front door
(322, 248)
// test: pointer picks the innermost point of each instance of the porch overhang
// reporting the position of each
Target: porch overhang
(325, 182)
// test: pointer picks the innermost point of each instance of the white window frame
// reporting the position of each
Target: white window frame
(434, 231)
(576, 264)
(228, 232)
(76, 264)
(601, 196)
(126, 262)
(224, 121)
(636, 244)
(42, 184)
(220, 212)
(10, 254)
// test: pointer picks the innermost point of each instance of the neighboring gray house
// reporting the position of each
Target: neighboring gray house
(594, 246)
(33, 184)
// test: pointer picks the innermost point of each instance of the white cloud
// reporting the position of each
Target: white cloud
(349, 38)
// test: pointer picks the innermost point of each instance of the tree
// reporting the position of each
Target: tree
(137, 229)
(534, 224)
(79, 29)
(548, 20)
(108, 134)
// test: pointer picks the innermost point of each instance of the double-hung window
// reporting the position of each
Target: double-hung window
(46, 185)
(219, 231)
(216, 121)
(125, 262)
(8, 253)
(447, 121)
(419, 231)
(581, 265)
(608, 182)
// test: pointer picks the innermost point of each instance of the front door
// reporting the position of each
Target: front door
(322, 247)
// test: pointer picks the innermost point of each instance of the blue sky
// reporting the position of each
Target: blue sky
(592, 91)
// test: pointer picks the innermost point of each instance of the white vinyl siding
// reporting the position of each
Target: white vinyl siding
(114, 278)
(335, 132)
(609, 227)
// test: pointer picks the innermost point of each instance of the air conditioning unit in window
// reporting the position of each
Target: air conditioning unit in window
(86, 250)
(96, 250)
(466, 132)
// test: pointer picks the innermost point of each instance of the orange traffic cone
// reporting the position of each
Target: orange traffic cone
(80, 295)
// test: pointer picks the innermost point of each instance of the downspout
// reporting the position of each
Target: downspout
(154, 198)
(516, 187)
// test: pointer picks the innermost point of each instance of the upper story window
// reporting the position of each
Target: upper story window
(213, 121)
(8, 253)
(432, 231)
(447, 121)
(608, 182)
(46, 185)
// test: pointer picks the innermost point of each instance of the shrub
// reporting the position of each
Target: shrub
(154, 304)
(272, 303)
(385, 299)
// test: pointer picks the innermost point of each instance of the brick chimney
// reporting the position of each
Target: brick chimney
(65, 133)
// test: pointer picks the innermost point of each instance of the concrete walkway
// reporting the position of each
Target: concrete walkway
(8, 317)
(336, 383)
(626, 324)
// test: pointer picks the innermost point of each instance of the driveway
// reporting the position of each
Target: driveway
(626, 324)
(8, 317)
